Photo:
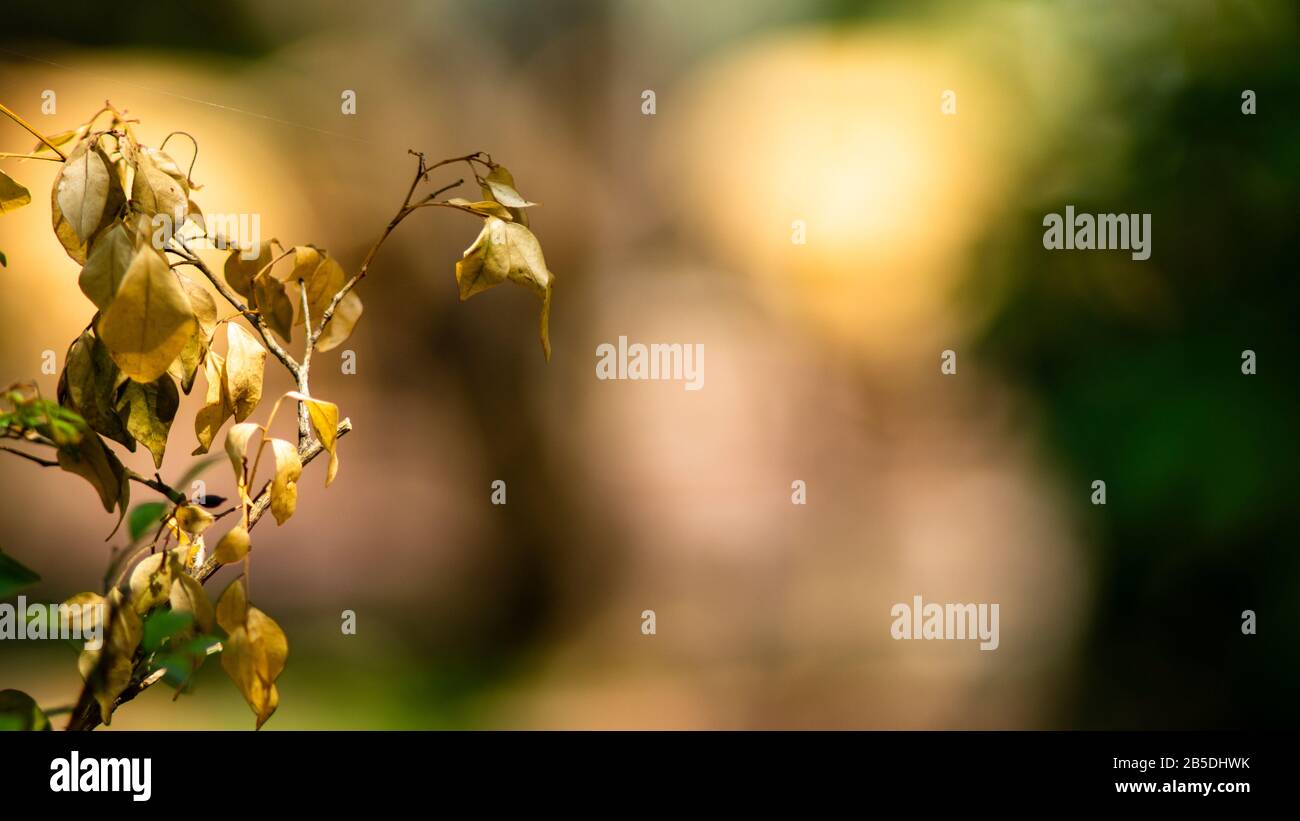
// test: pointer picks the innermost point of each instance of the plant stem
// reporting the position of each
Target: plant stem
(4, 109)
(85, 716)
(255, 319)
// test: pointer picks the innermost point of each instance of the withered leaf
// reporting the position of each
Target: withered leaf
(188, 596)
(232, 606)
(148, 410)
(89, 385)
(81, 188)
(507, 250)
(108, 669)
(499, 185)
(154, 191)
(253, 656)
(59, 140)
(216, 403)
(107, 264)
(89, 459)
(67, 235)
(149, 322)
(344, 320)
(151, 580)
(323, 282)
(324, 418)
(13, 195)
(245, 365)
(240, 272)
(233, 546)
(84, 610)
(485, 208)
(186, 366)
(284, 488)
(306, 259)
(272, 301)
(193, 520)
(237, 449)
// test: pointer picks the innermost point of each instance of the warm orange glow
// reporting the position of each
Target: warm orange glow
(846, 133)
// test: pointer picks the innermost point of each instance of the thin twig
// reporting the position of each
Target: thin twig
(254, 318)
(153, 484)
(304, 372)
(48, 463)
(406, 210)
(5, 155)
(4, 109)
(85, 716)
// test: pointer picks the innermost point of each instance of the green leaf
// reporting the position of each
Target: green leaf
(181, 663)
(31, 413)
(19, 711)
(145, 517)
(14, 576)
(162, 625)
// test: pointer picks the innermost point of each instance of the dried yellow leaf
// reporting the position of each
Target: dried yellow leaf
(151, 580)
(148, 410)
(237, 449)
(245, 365)
(240, 272)
(253, 656)
(13, 195)
(107, 264)
(216, 404)
(232, 606)
(149, 321)
(188, 596)
(154, 191)
(81, 189)
(193, 520)
(284, 488)
(233, 546)
(324, 418)
(507, 250)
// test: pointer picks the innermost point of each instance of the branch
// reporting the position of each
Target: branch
(254, 318)
(422, 173)
(6, 155)
(154, 484)
(85, 716)
(38, 135)
(46, 463)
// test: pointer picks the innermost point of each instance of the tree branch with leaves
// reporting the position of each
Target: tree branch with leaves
(125, 212)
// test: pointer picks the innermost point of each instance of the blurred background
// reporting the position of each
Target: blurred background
(924, 233)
